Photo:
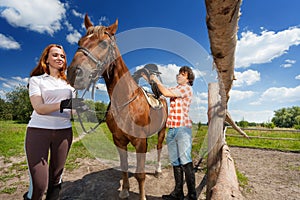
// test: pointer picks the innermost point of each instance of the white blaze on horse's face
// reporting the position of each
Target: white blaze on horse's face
(94, 55)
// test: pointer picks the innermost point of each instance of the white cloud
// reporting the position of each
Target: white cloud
(297, 77)
(8, 84)
(69, 26)
(263, 48)
(77, 14)
(247, 78)
(288, 63)
(252, 116)
(8, 43)
(198, 109)
(200, 98)
(35, 15)
(13, 82)
(20, 79)
(168, 73)
(2, 94)
(236, 95)
(101, 87)
(73, 38)
(198, 113)
(280, 95)
(104, 21)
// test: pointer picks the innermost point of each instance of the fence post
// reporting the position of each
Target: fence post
(222, 181)
(216, 117)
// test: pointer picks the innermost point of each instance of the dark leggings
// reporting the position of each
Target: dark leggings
(38, 142)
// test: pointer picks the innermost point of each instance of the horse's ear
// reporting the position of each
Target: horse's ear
(113, 28)
(87, 21)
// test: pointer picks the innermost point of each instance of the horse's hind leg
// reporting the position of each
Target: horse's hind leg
(124, 167)
(161, 137)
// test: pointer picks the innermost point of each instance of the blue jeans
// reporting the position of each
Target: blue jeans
(179, 142)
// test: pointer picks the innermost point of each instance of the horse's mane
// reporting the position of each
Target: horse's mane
(97, 30)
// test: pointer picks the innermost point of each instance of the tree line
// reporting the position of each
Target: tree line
(16, 106)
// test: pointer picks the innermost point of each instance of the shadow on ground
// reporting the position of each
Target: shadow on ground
(105, 185)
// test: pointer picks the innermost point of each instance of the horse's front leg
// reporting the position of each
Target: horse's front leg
(124, 167)
(140, 175)
(161, 137)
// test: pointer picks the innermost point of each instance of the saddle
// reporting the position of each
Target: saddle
(148, 70)
(151, 99)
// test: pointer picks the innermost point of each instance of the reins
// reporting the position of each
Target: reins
(104, 118)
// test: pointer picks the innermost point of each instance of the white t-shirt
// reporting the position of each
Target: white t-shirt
(52, 90)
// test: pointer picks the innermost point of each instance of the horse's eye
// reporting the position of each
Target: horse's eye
(103, 44)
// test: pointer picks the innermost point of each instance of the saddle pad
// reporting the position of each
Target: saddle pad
(153, 102)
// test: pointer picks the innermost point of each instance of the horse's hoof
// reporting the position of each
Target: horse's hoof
(124, 194)
(157, 174)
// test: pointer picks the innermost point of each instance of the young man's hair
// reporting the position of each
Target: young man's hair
(189, 71)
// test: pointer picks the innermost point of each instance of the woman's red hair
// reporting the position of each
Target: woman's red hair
(42, 66)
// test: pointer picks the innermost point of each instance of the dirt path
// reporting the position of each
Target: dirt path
(271, 175)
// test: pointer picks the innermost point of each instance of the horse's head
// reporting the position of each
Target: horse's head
(96, 51)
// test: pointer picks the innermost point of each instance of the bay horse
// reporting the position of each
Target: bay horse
(129, 116)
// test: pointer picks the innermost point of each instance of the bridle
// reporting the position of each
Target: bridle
(97, 73)
(100, 65)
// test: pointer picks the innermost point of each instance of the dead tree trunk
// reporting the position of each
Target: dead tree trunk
(222, 24)
(227, 187)
(216, 117)
(222, 183)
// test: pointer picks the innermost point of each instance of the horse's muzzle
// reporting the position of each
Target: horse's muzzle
(79, 77)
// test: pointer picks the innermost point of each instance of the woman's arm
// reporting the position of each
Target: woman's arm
(41, 108)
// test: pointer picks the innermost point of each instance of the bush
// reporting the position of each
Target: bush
(270, 125)
(297, 127)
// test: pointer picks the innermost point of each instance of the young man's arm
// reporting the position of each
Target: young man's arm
(165, 91)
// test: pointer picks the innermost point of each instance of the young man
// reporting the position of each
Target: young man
(179, 137)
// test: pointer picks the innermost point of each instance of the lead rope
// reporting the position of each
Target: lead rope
(104, 118)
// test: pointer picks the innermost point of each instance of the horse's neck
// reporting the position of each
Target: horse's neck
(120, 79)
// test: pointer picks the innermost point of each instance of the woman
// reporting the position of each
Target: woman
(50, 128)
(179, 137)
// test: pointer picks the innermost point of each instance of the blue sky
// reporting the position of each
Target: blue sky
(267, 54)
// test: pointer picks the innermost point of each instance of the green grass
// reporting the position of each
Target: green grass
(78, 150)
(7, 174)
(99, 144)
(9, 190)
(282, 145)
(242, 179)
(12, 136)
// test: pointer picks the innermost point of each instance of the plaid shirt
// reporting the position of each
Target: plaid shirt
(179, 107)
